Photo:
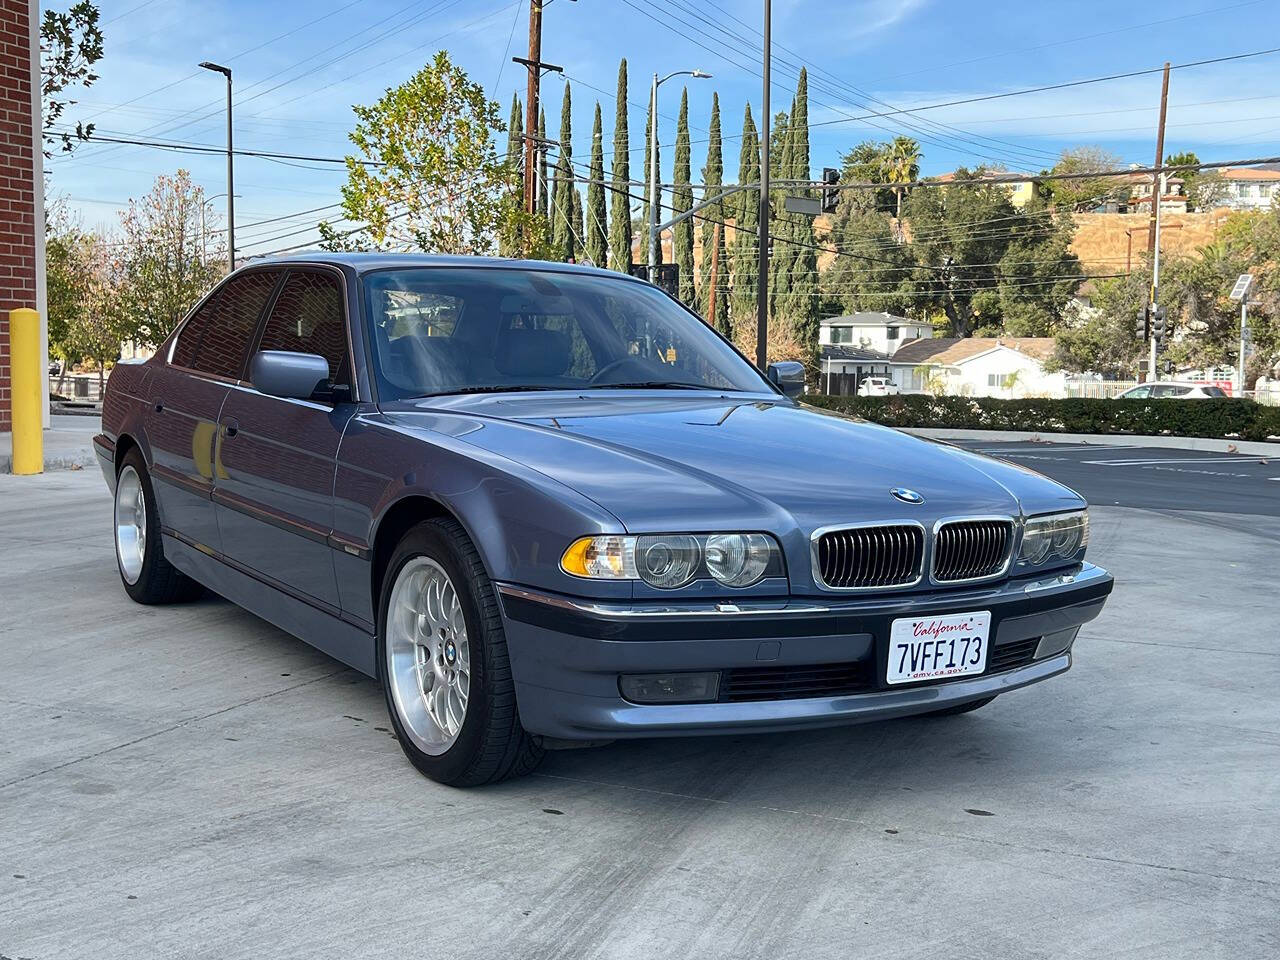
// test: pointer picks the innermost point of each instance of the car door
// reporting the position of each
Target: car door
(187, 394)
(273, 494)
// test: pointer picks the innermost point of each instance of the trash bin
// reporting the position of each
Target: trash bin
(81, 391)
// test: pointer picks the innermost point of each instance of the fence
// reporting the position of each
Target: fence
(1104, 389)
(81, 387)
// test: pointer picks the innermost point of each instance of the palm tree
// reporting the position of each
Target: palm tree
(902, 165)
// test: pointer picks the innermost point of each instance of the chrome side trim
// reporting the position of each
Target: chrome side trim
(1008, 556)
(736, 609)
(816, 562)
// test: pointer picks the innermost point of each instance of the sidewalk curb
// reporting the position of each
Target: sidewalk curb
(1257, 448)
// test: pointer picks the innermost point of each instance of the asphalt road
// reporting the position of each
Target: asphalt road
(190, 782)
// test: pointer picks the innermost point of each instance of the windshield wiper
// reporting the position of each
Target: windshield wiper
(652, 385)
(512, 388)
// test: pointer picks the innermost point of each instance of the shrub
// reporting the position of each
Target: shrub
(1223, 418)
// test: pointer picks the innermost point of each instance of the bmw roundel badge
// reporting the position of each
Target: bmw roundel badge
(907, 496)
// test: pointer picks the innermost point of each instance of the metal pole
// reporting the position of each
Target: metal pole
(1155, 276)
(1243, 320)
(654, 200)
(762, 253)
(231, 186)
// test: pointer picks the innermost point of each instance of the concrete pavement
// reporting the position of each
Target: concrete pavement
(190, 782)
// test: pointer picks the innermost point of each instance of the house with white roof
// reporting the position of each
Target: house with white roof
(1006, 367)
(859, 345)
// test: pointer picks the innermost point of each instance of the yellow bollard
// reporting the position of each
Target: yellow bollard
(27, 383)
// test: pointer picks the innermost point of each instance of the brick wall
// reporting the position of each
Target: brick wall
(18, 192)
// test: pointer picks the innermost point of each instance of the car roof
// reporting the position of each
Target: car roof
(366, 262)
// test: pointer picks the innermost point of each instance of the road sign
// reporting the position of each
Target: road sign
(1243, 284)
(808, 206)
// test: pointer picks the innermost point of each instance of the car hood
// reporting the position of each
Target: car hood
(664, 462)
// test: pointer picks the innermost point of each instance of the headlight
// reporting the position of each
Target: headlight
(1059, 537)
(668, 561)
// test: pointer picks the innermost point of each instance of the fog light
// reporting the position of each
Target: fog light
(670, 687)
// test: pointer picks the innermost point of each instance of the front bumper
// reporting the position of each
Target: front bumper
(567, 654)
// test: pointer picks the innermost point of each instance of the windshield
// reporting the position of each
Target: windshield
(437, 330)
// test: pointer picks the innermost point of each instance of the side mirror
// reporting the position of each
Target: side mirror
(296, 376)
(787, 376)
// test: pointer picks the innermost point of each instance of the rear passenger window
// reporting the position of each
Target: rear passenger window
(216, 338)
(308, 318)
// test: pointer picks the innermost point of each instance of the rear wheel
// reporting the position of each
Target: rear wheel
(960, 708)
(147, 576)
(443, 661)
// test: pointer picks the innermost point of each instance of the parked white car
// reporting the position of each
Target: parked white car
(1172, 390)
(877, 387)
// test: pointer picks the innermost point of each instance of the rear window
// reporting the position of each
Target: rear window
(1214, 392)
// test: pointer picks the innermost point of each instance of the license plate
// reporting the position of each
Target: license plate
(938, 647)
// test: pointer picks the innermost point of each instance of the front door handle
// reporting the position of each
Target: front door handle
(230, 427)
(159, 406)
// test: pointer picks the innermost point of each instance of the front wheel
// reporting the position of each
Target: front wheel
(442, 657)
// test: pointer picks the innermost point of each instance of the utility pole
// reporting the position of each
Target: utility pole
(1153, 235)
(762, 253)
(534, 63)
(715, 266)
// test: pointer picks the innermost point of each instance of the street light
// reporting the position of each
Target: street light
(654, 200)
(231, 189)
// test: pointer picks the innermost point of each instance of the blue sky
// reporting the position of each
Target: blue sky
(300, 65)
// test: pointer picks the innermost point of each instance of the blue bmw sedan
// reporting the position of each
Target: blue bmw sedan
(546, 505)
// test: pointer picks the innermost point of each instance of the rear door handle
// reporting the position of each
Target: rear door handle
(159, 406)
(230, 427)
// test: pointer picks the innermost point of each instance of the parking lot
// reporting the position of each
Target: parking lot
(190, 782)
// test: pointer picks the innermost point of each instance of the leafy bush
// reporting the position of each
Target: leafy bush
(1218, 418)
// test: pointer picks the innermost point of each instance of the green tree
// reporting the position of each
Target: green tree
(165, 266)
(595, 238)
(66, 283)
(426, 175)
(802, 304)
(1204, 189)
(620, 202)
(1086, 192)
(872, 271)
(713, 183)
(901, 166)
(717, 314)
(746, 204)
(866, 162)
(544, 195)
(96, 331)
(562, 238)
(511, 245)
(578, 218)
(682, 202)
(975, 277)
(783, 253)
(71, 43)
(649, 159)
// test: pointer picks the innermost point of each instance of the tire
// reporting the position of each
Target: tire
(959, 708)
(489, 744)
(147, 576)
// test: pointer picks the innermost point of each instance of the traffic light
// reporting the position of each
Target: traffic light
(1159, 329)
(830, 195)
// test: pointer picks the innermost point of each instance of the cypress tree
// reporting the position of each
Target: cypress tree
(713, 183)
(510, 246)
(747, 205)
(620, 202)
(719, 317)
(779, 222)
(594, 239)
(644, 210)
(544, 199)
(562, 239)
(681, 201)
(802, 308)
